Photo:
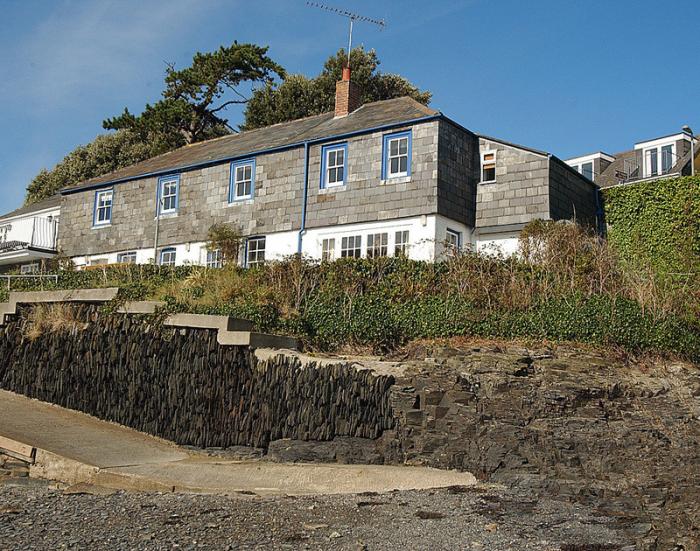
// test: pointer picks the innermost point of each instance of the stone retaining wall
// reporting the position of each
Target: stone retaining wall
(180, 384)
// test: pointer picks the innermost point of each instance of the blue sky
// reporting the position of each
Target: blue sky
(566, 76)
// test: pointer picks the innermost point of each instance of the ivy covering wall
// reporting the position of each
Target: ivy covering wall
(657, 223)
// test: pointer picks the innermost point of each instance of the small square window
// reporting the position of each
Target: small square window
(453, 240)
(28, 269)
(127, 258)
(488, 166)
(242, 180)
(401, 243)
(255, 251)
(214, 259)
(351, 247)
(168, 257)
(377, 245)
(103, 207)
(328, 250)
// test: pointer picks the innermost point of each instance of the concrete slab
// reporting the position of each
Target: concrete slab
(77, 436)
(207, 321)
(75, 448)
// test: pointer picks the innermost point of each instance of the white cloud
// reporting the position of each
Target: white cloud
(89, 47)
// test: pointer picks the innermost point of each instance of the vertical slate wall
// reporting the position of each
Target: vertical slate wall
(571, 195)
(179, 384)
(519, 194)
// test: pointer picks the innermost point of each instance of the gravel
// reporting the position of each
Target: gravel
(38, 515)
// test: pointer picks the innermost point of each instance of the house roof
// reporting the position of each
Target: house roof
(378, 114)
(48, 203)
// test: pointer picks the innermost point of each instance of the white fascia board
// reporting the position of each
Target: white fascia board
(665, 140)
(588, 158)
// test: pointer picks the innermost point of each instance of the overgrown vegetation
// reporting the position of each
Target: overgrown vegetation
(568, 285)
(657, 224)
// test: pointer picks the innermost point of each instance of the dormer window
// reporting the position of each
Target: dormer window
(659, 160)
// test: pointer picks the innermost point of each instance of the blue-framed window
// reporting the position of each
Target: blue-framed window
(242, 185)
(334, 162)
(168, 196)
(168, 256)
(102, 214)
(396, 155)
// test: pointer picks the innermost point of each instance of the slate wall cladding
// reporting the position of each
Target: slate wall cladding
(571, 196)
(519, 194)
(278, 200)
(365, 197)
(203, 202)
(181, 385)
(458, 173)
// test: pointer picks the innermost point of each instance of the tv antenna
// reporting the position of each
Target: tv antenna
(352, 17)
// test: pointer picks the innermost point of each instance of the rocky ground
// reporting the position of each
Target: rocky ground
(38, 515)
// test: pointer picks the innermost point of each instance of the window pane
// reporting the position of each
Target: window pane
(394, 166)
(587, 170)
(403, 164)
(653, 161)
(394, 147)
(666, 158)
(403, 146)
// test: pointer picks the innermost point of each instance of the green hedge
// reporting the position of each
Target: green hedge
(656, 222)
(383, 313)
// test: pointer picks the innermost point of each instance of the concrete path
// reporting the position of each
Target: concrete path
(75, 448)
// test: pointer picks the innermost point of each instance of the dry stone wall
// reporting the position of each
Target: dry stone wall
(181, 385)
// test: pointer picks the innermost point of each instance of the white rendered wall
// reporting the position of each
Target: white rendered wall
(505, 244)
(426, 241)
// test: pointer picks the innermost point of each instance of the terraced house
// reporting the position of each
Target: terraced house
(381, 179)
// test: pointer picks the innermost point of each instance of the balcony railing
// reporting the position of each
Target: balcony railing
(36, 233)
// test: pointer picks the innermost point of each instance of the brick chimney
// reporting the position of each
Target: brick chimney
(347, 95)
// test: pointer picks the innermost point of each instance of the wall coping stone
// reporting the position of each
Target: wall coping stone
(230, 331)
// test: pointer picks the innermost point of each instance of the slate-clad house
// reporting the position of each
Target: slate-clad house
(664, 157)
(381, 179)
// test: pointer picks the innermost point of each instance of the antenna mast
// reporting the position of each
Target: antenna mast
(352, 17)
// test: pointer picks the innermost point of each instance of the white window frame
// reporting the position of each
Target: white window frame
(28, 269)
(457, 237)
(171, 196)
(245, 182)
(345, 247)
(399, 155)
(483, 162)
(328, 166)
(373, 248)
(255, 256)
(646, 152)
(168, 251)
(213, 258)
(128, 257)
(328, 249)
(106, 208)
(401, 242)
